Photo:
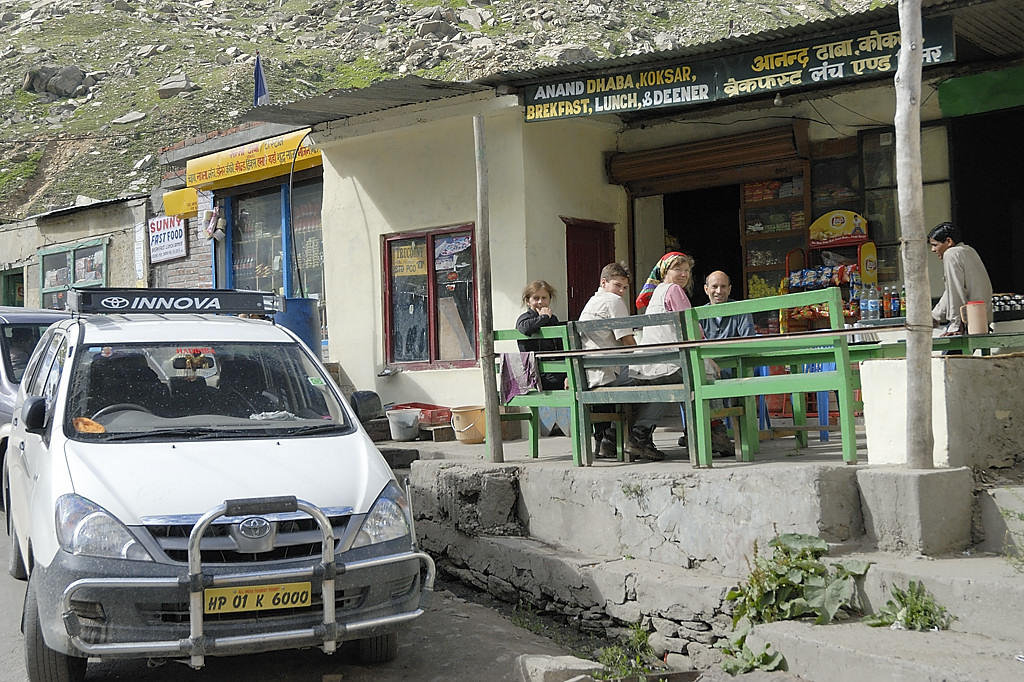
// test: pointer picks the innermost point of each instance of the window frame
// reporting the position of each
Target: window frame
(70, 252)
(430, 235)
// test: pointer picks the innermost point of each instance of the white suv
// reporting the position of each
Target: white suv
(183, 484)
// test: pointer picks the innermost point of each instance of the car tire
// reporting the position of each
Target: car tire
(379, 649)
(43, 663)
(15, 562)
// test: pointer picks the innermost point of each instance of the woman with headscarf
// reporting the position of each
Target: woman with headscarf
(667, 290)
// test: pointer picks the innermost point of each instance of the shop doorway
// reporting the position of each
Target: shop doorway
(706, 224)
(986, 152)
(12, 288)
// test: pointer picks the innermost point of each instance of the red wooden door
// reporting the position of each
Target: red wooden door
(589, 246)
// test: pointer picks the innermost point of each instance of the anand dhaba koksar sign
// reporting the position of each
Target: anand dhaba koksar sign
(866, 53)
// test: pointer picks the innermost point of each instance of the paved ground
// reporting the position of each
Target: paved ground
(559, 449)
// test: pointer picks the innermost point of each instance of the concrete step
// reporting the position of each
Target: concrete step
(854, 652)
(985, 593)
(1002, 511)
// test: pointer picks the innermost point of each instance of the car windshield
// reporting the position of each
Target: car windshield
(16, 344)
(174, 391)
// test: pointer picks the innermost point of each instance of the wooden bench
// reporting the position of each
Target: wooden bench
(793, 350)
(533, 401)
(633, 357)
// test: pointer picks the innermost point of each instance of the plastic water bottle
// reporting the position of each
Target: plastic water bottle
(870, 302)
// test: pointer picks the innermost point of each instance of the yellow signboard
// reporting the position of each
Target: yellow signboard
(253, 162)
(409, 259)
(836, 228)
(867, 258)
(182, 203)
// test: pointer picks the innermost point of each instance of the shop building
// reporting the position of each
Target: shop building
(729, 151)
(253, 196)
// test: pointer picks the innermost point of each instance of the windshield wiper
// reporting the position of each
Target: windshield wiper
(318, 428)
(194, 432)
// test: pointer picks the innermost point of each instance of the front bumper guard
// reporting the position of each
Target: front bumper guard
(198, 645)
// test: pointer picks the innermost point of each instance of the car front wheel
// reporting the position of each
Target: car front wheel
(379, 649)
(43, 663)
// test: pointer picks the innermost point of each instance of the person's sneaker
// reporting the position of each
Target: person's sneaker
(606, 449)
(643, 448)
(682, 442)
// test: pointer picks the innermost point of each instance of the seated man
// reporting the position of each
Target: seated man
(718, 286)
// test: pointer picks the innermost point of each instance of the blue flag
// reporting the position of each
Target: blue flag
(259, 95)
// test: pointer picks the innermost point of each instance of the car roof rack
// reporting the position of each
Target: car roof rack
(173, 301)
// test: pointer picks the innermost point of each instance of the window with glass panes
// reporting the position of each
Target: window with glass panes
(430, 297)
(81, 265)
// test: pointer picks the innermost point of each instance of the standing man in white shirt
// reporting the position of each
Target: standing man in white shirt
(964, 276)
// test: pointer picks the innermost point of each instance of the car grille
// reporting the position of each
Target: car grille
(296, 538)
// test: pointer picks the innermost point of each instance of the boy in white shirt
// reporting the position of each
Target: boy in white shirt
(607, 303)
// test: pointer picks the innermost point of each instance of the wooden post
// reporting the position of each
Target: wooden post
(914, 247)
(483, 296)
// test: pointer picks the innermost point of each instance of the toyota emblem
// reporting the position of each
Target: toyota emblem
(115, 302)
(254, 528)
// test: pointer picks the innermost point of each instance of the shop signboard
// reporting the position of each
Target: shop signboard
(166, 238)
(674, 86)
(860, 54)
(838, 228)
(253, 162)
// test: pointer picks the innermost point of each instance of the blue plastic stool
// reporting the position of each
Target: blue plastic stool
(823, 397)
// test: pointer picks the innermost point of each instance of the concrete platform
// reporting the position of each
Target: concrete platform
(661, 543)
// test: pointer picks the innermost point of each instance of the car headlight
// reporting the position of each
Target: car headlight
(388, 518)
(86, 528)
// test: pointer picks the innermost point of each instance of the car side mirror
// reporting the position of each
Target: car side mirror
(33, 414)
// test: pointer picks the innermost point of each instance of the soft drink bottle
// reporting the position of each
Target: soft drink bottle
(895, 305)
(886, 306)
(903, 301)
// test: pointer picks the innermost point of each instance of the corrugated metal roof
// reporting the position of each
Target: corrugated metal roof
(992, 29)
(339, 104)
(67, 210)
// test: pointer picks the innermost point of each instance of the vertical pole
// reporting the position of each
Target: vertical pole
(483, 296)
(912, 237)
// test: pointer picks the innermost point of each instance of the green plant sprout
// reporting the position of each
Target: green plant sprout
(912, 609)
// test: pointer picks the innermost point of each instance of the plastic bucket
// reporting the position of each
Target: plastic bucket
(405, 424)
(469, 423)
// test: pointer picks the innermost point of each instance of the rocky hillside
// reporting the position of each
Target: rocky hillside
(90, 90)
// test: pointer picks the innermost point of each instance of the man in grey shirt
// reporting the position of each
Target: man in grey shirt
(964, 276)
(718, 286)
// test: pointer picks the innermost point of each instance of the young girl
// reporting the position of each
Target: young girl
(537, 297)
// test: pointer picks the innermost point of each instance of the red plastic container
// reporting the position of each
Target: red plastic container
(430, 415)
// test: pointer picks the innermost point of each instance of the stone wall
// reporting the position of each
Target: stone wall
(601, 551)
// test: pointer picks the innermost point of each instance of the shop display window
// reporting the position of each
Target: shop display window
(835, 186)
(81, 265)
(431, 301)
(307, 240)
(773, 222)
(881, 202)
(256, 252)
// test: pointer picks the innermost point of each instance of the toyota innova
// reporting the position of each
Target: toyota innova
(181, 482)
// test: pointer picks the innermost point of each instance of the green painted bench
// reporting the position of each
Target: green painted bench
(533, 401)
(793, 350)
(634, 357)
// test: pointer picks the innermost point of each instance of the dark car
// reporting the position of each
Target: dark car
(20, 329)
